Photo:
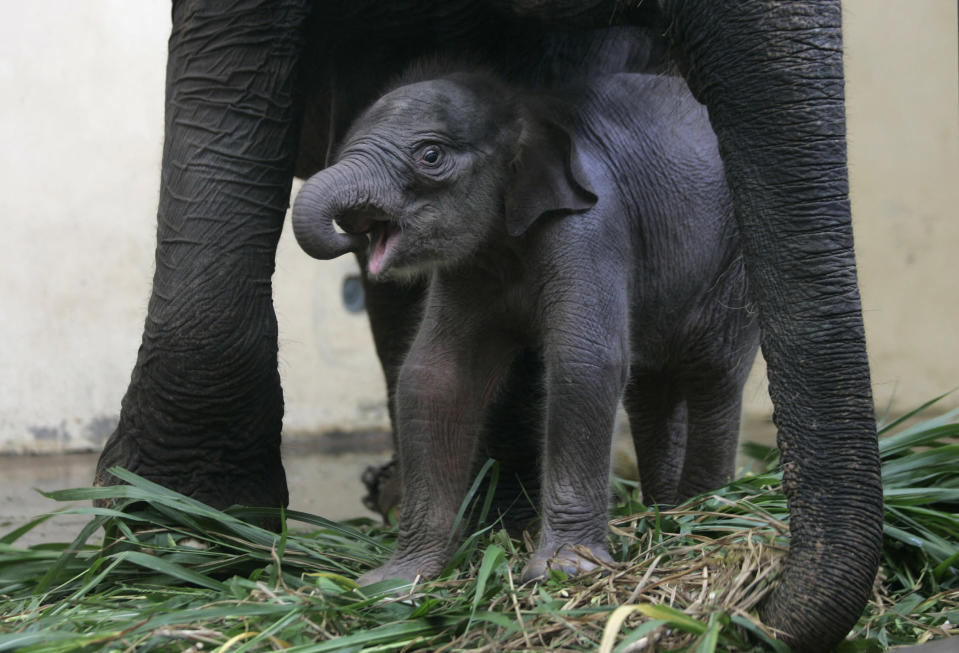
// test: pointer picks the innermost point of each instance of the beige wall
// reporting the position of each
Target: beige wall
(904, 169)
(902, 103)
(81, 132)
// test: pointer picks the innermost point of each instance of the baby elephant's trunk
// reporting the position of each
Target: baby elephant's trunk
(324, 197)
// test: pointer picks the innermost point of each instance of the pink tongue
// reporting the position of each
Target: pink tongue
(378, 254)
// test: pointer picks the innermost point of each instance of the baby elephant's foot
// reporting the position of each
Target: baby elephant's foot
(386, 572)
(407, 570)
(574, 559)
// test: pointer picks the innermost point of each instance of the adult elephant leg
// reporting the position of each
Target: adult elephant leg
(771, 75)
(203, 410)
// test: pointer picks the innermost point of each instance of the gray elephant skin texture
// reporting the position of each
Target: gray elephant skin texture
(592, 225)
(258, 91)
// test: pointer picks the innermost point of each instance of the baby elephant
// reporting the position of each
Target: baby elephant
(592, 224)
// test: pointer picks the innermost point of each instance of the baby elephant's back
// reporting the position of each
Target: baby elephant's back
(662, 167)
(661, 160)
(657, 142)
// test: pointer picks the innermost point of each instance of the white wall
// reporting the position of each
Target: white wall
(81, 124)
(81, 127)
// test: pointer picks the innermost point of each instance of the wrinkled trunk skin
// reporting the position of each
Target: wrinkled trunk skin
(771, 75)
(204, 407)
(323, 198)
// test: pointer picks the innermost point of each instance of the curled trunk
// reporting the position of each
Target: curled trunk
(325, 197)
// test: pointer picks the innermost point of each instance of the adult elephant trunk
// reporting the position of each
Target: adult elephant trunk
(326, 196)
(771, 76)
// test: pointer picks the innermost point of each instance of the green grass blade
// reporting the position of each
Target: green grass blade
(63, 561)
(673, 617)
(492, 557)
(468, 499)
(169, 569)
(19, 532)
(709, 640)
(637, 634)
(883, 428)
(771, 644)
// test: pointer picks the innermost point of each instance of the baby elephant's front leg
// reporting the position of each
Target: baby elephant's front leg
(585, 381)
(441, 402)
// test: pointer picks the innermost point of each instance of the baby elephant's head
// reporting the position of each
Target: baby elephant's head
(433, 170)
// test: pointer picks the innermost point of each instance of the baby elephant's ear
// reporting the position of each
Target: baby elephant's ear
(549, 178)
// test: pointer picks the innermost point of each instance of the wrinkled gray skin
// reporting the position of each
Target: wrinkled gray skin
(258, 89)
(593, 225)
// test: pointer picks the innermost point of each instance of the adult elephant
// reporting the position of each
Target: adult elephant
(248, 80)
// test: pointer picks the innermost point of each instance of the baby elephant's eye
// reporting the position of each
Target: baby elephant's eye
(431, 155)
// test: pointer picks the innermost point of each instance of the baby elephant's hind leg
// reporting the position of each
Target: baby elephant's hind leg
(657, 422)
(513, 437)
(714, 407)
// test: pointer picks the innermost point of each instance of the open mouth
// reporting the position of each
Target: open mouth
(381, 230)
(382, 236)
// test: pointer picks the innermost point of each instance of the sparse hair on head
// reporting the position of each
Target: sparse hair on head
(456, 69)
